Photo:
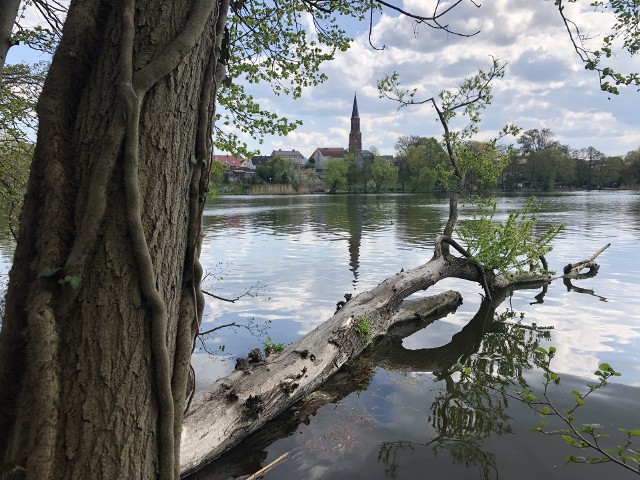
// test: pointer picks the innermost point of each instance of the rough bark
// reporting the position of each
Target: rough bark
(103, 298)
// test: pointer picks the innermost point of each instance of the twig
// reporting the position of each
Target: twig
(265, 469)
(572, 270)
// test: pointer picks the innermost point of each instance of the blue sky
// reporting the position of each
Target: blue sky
(545, 85)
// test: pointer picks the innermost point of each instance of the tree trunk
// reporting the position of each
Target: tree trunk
(103, 299)
(8, 14)
(256, 392)
(260, 389)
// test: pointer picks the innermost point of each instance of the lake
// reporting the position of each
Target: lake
(400, 412)
(405, 410)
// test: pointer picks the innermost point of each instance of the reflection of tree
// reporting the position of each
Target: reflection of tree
(489, 354)
(588, 291)
(467, 450)
(388, 454)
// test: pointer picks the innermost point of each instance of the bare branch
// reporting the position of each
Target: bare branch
(371, 30)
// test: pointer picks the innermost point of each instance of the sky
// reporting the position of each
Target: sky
(545, 86)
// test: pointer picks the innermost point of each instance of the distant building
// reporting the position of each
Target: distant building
(231, 161)
(362, 156)
(257, 160)
(320, 156)
(293, 156)
(355, 137)
(236, 170)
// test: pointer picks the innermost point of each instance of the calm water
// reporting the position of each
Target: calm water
(399, 415)
(396, 413)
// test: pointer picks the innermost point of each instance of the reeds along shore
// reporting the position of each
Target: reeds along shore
(277, 190)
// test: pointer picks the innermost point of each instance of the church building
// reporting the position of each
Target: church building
(355, 137)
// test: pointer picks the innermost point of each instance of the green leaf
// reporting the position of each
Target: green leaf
(71, 280)
(48, 272)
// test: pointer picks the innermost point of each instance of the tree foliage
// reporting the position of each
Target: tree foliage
(468, 99)
(621, 36)
(512, 245)
(277, 170)
(383, 173)
(419, 162)
(586, 437)
(335, 174)
(19, 90)
(267, 41)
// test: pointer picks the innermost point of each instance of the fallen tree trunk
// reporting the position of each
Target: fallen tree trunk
(261, 388)
(257, 391)
(248, 456)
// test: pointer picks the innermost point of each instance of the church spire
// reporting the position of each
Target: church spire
(355, 137)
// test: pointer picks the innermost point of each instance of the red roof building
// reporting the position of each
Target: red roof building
(321, 155)
(230, 161)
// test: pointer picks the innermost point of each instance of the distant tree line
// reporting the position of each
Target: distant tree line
(542, 162)
(538, 161)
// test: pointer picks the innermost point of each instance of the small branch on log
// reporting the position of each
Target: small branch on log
(264, 470)
(572, 270)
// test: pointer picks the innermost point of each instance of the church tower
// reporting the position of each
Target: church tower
(355, 137)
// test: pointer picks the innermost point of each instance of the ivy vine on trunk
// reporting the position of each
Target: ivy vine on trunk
(103, 302)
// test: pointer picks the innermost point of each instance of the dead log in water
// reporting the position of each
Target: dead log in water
(262, 388)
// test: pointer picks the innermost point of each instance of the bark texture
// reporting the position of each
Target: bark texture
(103, 299)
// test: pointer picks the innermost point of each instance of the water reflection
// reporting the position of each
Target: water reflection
(490, 354)
(587, 291)
(478, 367)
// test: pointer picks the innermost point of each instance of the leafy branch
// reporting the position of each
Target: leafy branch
(469, 99)
(509, 245)
(586, 436)
(624, 35)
